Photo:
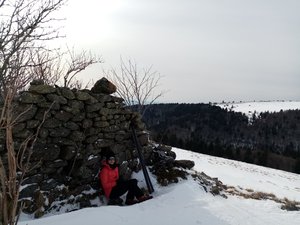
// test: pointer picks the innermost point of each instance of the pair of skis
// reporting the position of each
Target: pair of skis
(142, 160)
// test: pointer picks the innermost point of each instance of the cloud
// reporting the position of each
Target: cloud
(216, 49)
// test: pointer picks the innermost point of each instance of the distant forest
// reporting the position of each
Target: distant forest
(269, 139)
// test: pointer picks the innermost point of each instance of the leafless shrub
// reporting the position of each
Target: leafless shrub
(24, 27)
(54, 67)
(137, 87)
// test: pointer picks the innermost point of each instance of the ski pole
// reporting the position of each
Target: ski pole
(142, 160)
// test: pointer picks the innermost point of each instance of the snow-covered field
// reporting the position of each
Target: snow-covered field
(249, 108)
(188, 203)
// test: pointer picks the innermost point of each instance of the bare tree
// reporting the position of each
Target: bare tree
(55, 67)
(48, 66)
(75, 63)
(25, 25)
(138, 88)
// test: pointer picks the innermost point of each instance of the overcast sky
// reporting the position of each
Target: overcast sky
(206, 50)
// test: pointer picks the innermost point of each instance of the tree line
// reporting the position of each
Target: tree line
(267, 139)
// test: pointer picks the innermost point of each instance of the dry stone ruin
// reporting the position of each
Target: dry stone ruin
(74, 129)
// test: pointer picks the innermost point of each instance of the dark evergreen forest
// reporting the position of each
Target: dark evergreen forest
(269, 139)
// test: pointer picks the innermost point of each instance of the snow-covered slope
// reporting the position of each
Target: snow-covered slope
(249, 108)
(188, 203)
(248, 176)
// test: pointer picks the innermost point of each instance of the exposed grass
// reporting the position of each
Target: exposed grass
(258, 195)
(216, 187)
(290, 205)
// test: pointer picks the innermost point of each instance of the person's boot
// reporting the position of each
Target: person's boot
(131, 201)
(144, 198)
(116, 201)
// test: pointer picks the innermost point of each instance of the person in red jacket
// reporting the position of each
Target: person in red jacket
(114, 187)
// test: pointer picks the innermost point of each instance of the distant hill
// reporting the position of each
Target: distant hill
(266, 138)
(250, 108)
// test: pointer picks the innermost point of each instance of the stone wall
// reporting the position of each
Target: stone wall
(75, 128)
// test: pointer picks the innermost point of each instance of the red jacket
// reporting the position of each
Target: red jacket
(108, 178)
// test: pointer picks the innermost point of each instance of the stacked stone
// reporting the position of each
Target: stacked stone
(74, 127)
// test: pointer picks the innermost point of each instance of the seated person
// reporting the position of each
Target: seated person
(114, 187)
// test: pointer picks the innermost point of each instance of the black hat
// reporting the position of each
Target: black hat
(110, 154)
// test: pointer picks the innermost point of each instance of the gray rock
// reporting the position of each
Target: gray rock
(23, 134)
(41, 89)
(30, 98)
(59, 132)
(24, 113)
(109, 135)
(68, 109)
(94, 107)
(83, 172)
(92, 139)
(86, 123)
(51, 123)
(19, 127)
(111, 129)
(76, 105)
(37, 82)
(119, 137)
(71, 125)
(92, 115)
(187, 164)
(125, 171)
(101, 124)
(30, 124)
(57, 98)
(42, 114)
(43, 134)
(82, 96)
(93, 160)
(63, 115)
(49, 185)
(92, 100)
(68, 152)
(45, 151)
(118, 148)
(67, 93)
(77, 136)
(117, 99)
(28, 191)
(62, 141)
(90, 131)
(58, 163)
(49, 105)
(111, 105)
(78, 117)
(144, 139)
(104, 111)
(33, 179)
(104, 86)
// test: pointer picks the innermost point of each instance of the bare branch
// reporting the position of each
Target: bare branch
(137, 88)
(77, 63)
(2, 3)
(24, 26)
